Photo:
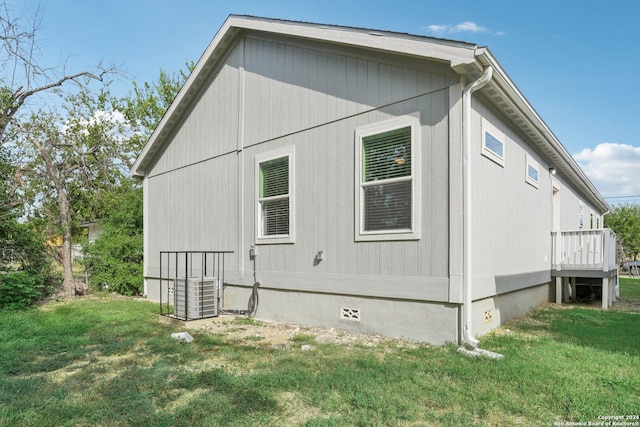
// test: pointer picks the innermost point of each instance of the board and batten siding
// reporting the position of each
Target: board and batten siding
(511, 218)
(211, 127)
(191, 190)
(569, 210)
(274, 92)
(315, 99)
(193, 209)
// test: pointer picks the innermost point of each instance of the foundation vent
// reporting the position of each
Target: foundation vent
(352, 314)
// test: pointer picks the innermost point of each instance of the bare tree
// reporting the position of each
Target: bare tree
(21, 77)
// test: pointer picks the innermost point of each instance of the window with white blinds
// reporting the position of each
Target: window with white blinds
(275, 195)
(387, 177)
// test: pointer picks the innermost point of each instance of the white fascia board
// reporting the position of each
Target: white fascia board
(421, 46)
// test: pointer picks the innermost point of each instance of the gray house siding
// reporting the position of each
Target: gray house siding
(511, 217)
(194, 209)
(211, 127)
(312, 98)
(317, 108)
(512, 223)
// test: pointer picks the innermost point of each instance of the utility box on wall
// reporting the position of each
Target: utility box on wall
(196, 297)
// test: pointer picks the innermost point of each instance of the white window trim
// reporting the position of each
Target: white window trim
(528, 178)
(373, 129)
(497, 134)
(290, 152)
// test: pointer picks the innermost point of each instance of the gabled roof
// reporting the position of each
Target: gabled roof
(466, 59)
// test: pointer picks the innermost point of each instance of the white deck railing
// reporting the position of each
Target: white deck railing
(584, 250)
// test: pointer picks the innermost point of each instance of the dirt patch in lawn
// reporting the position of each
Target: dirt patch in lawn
(286, 335)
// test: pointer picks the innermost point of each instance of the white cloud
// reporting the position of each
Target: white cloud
(437, 29)
(467, 26)
(613, 168)
(463, 27)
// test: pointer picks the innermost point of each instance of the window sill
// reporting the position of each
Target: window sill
(275, 240)
(388, 236)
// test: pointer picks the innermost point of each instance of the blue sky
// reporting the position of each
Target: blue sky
(575, 61)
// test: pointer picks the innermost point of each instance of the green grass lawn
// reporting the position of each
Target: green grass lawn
(109, 362)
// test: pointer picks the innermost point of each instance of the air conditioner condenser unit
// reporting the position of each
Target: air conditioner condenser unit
(196, 297)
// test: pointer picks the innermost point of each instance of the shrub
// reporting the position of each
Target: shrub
(114, 260)
(20, 289)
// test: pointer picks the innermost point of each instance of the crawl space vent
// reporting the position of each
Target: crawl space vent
(352, 314)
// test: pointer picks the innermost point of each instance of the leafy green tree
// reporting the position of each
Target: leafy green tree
(147, 103)
(64, 153)
(25, 269)
(624, 220)
(114, 260)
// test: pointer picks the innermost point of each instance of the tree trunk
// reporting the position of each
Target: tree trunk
(67, 257)
(59, 177)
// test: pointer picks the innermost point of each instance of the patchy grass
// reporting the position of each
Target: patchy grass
(107, 361)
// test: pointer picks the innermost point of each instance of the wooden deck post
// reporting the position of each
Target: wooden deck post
(558, 290)
(605, 293)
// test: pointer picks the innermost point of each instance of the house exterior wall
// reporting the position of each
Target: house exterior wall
(511, 218)
(570, 202)
(512, 223)
(317, 109)
(191, 191)
(275, 92)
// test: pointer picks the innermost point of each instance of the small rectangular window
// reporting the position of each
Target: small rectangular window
(532, 172)
(493, 143)
(387, 177)
(274, 173)
(581, 215)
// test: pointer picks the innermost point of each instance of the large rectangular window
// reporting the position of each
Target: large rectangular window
(274, 173)
(387, 170)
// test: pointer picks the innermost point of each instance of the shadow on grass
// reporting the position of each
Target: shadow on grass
(608, 330)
